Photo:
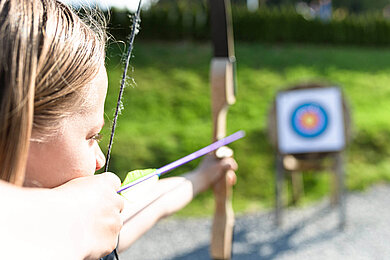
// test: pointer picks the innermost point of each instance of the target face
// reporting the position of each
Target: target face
(309, 120)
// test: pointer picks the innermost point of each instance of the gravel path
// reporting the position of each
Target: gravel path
(308, 233)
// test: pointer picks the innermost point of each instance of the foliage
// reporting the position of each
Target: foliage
(167, 112)
(354, 6)
(188, 20)
(361, 5)
(284, 25)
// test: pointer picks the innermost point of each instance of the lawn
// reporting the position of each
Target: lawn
(166, 111)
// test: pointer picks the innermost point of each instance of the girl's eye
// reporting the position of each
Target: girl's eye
(97, 137)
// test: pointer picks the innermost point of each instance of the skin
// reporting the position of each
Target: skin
(169, 195)
(63, 215)
(39, 223)
(74, 152)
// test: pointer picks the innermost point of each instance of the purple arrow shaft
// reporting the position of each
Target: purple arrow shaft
(212, 147)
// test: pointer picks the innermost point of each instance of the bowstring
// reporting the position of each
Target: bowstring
(134, 31)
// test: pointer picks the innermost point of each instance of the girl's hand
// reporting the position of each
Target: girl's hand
(78, 220)
(93, 208)
(213, 169)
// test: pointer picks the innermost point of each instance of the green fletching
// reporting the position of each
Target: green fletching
(136, 174)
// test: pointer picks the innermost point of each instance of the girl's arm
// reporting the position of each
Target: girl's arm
(170, 195)
(79, 220)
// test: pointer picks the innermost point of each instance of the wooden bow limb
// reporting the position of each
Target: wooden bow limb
(222, 95)
(222, 92)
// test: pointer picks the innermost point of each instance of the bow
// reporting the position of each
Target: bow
(134, 31)
(222, 95)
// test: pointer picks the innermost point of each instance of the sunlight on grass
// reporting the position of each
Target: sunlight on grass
(167, 112)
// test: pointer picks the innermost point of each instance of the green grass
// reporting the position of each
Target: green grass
(166, 111)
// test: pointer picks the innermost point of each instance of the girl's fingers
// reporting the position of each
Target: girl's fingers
(229, 164)
(120, 203)
(111, 178)
(232, 177)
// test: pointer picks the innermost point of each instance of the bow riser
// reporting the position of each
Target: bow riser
(222, 93)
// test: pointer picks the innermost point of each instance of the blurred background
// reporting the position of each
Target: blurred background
(278, 43)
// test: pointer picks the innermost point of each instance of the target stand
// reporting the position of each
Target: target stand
(309, 127)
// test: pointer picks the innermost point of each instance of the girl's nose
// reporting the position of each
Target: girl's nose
(100, 158)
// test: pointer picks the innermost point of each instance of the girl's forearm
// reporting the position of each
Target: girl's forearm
(170, 195)
(165, 198)
(28, 227)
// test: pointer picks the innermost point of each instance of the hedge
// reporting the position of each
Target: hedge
(274, 25)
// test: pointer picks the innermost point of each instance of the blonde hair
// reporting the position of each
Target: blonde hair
(47, 57)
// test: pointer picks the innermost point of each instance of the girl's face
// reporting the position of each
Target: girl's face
(73, 152)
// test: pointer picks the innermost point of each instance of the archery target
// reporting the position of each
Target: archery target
(310, 120)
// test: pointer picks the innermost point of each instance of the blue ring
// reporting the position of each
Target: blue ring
(323, 123)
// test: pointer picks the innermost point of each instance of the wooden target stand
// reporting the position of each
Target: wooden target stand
(294, 164)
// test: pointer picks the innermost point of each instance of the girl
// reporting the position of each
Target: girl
(48, 57)
(53, 87)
